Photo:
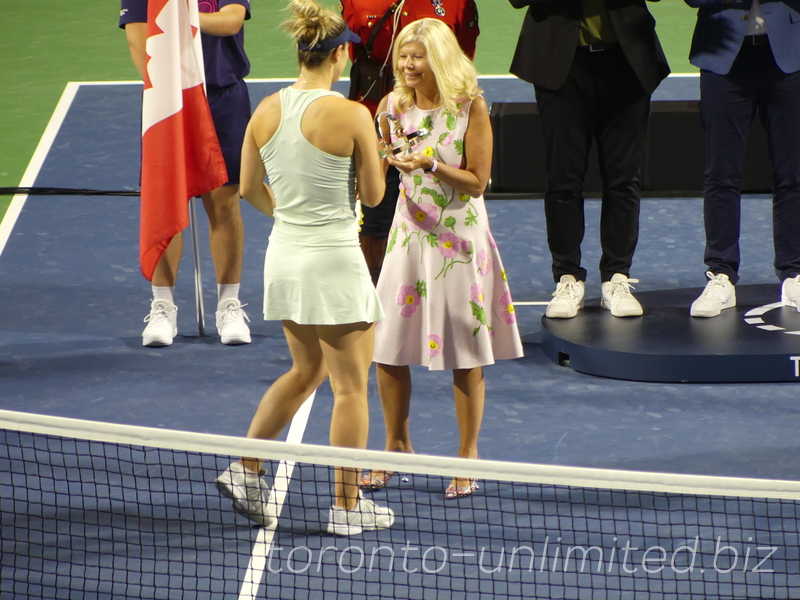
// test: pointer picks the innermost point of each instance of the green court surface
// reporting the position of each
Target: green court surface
(45, 44)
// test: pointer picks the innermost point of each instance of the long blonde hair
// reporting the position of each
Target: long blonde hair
(456, 78)
(310, 23)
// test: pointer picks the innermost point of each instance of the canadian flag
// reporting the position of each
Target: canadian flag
(181, 157)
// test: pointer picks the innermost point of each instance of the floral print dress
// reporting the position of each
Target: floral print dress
(442, 286)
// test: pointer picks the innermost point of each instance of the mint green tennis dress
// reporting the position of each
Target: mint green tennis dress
(314, 271)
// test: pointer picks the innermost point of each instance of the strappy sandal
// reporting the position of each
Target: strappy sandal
(459, 491)
(375, 480)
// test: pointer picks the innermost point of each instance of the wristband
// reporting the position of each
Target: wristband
(434, 166)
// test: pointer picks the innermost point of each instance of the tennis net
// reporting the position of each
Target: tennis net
(98, 510)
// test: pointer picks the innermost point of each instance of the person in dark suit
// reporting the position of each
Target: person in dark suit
(748, 52)
(593, 65)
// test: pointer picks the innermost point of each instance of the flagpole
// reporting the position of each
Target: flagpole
(198, 276)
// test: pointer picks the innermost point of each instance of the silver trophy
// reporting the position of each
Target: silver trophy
(389, 127)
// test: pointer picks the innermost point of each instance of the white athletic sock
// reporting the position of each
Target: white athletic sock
(227, 290)
(164, 292)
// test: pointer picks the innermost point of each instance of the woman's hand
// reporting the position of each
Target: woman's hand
(411, 162)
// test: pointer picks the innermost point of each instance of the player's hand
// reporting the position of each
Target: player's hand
(411, 162)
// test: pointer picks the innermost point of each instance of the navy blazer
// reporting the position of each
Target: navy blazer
(551, 29)
(722, 25)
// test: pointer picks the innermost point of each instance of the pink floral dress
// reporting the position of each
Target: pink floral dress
(442, 286)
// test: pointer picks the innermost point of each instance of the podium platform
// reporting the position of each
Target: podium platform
(757, 341)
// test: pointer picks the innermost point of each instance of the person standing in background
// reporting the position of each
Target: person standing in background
(748, 53)
(226, 65)
(593, 65)
(377, 23)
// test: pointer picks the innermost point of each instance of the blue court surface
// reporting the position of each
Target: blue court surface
(70, 345)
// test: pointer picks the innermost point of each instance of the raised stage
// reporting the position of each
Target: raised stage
(758, 341)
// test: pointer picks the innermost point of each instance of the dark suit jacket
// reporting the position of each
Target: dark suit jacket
(721, 27)
(549, 39)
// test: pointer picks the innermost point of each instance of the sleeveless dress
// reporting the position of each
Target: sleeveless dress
(314, 271)
(442, 285)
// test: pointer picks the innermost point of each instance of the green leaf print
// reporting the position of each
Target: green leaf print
(426, 123)
(451, 121)
(392, 240)
(478, 312)
(450, 223)
(433, 240)
(421, 288)
(472, 217)
(443, 137)
(438, 199)
(459, 145)
(417, 179)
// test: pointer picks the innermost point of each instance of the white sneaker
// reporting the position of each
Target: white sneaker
(790, 292)
(231, 324)
(617, 297)
(162, 324)
(366, 515)
(567, 299)
(718, 295)
(249, 493)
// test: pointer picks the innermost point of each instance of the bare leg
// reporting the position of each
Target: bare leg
(469, 391)
(166, 273)
(348, 354)
(225, 232)
(284, 397)
(394, 387)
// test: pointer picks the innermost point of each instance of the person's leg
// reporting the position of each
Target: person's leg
(566, 117)
(226, 238)
(778, 107)
(348, 354)
(162, 322)
(285, 396)
(727, 109)
(469, 391)
(225, 232)
(623, 109)
(394, 388)
(347, 351)
(242, 481)
(166, 273)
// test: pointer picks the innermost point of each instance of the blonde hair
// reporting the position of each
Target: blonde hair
(456, 78)
(311, 23)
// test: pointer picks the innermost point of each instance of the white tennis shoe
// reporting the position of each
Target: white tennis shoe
(365, 516)
(231, 324)
(249, 493)
(162, 324)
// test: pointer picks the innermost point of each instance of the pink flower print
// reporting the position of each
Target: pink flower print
(476, 294)
(447, 140)
(423, 215)
(408, 298)
(434, 345)
(484, 263)
(492, 243)
(449, 244)
(507, 309)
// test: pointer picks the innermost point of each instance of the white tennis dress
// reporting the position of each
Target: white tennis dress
(314, 271)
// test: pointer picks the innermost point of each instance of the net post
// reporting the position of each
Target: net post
(198, 276)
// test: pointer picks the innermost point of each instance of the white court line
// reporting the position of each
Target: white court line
(544, 303)
(37, 160)
(261, 549)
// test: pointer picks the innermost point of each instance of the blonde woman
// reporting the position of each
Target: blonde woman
(443, 286)
(313, 144)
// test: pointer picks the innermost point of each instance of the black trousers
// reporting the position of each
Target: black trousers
(601, 101)
(728, 105)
